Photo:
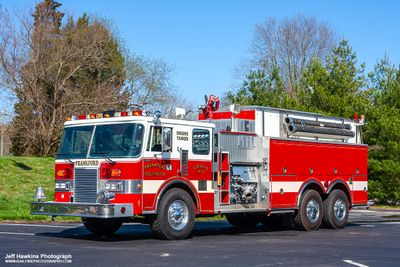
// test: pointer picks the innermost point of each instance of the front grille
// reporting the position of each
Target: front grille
(85, 185)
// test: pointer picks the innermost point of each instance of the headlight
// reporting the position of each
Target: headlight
(63, 186)
(114, 186)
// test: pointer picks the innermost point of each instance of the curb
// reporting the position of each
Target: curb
(386, 210)
(374, 221)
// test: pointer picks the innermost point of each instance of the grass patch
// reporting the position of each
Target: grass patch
(385, 207)
(211, 218)
(392, 217)
(19, 177)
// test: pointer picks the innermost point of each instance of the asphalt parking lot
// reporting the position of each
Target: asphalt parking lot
(370, 239)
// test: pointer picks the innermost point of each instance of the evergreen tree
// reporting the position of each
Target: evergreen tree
(335, 87)
(382, 133)
(264, 89)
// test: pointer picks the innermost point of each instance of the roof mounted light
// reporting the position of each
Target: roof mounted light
(108, 114)
(137, 113)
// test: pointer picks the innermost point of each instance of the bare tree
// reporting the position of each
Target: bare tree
(148, 80)
(55, 71)
(149, 84)
(289, 45)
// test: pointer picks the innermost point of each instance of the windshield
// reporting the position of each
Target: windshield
(117, 140)
(112, 140)
(75, 142)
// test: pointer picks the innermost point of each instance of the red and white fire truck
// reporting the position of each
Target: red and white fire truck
(245, 162)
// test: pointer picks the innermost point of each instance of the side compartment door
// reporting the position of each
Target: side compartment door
(200, 166)
(284, 191)
(359, 189)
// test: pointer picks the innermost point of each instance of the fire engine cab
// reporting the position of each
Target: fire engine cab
(249, 163)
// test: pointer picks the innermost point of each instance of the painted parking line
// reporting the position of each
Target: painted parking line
(56, 226)
(15, 233)
(41, 225)
(362, 211)
(355, 263)
(367, 225)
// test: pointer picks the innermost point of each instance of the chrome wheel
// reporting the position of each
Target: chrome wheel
(339, 209)
(178, 215)
(312, 210)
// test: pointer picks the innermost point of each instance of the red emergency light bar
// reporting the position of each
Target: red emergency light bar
(106, 114)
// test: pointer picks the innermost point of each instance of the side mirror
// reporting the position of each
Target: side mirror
(167, 140)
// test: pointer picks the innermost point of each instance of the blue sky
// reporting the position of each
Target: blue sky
(205, 40)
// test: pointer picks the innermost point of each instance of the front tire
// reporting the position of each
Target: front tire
(103, 227)
(175, 216)
(336, 210)
(309, 215)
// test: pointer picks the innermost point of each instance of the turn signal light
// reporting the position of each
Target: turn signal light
(63, 173)
(115, 172)
(107, 173)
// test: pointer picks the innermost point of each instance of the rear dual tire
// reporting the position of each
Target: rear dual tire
(333, 212)
(336, 210)
(309, 215)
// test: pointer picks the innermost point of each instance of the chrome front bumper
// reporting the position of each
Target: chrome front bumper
(90, 210)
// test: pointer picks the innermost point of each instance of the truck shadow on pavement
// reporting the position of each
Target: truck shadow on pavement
(132, 232)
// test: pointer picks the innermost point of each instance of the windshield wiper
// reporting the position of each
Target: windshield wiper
(104, 154)
(65, 158)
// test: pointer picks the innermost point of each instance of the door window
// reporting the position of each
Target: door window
(160, 139)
